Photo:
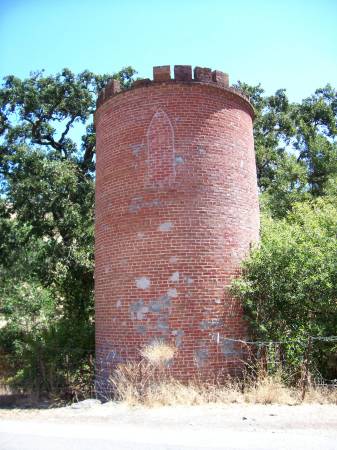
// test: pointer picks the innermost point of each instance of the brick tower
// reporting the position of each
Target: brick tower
(176, 212)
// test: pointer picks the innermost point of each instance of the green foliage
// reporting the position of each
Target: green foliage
(55, 359)
(46, 220)
(296, 146)
(289, 283)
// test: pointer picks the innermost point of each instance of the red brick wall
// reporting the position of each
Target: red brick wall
(176, 211)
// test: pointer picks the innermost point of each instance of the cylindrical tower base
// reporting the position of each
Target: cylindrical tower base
(176, 212)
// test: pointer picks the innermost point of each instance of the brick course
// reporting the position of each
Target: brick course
(176, 211)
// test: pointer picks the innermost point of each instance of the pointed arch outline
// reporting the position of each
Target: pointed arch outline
(160, 143)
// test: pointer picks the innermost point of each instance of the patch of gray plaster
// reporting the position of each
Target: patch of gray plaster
(138, 203)
(188, 280)
(162, 326)
(165, 226)
(210, 324)
(110, 356)
(172, 292)
(154, 202)
(140, 235)
(143, 283)
(217, 301)
(178, 336)
(200, 356)
(141, 329)
(179, 159)
(174, 277)
(118, 303)
(138, 310)
(173, 259)
(201, 150)
(136, 149)
(163, 302)
(135, 204)
(228, 347)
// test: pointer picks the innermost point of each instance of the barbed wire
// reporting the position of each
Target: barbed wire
(324, 338)
(284, 341)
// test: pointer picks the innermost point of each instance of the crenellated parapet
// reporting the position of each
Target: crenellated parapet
(181, 74)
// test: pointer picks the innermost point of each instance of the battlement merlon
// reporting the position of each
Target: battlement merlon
(182, 74)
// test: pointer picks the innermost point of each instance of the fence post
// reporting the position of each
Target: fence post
(305, 378)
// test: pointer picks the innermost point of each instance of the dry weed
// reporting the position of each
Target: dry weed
(149, 382)
(128, 383)
(172, 393)
(230, 392)
(321, 395)
(4, 389)
(268, 390)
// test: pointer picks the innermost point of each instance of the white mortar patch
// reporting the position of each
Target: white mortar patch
(140, 235)
(174, 277)
(118, 303)
(172, 292)
(189, 280)
(142, 282)
(173, 259)
(166, 226)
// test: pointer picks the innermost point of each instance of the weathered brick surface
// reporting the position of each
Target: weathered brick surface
(161, 73)
(113, 87)
(203, 74)
(176, 211)
(183, 73)
(220, 77)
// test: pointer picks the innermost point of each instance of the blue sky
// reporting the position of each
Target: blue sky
(281, 44)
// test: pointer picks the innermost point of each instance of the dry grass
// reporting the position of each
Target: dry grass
(4, 389)
(151, 390)
(173, 392)
(268, 390)
(149, 383)
(321, 395)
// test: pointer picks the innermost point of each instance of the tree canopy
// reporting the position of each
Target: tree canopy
(47, 171)
(295, 145)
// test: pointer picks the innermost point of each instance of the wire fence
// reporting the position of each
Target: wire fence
(310, 361)
(75, 374)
